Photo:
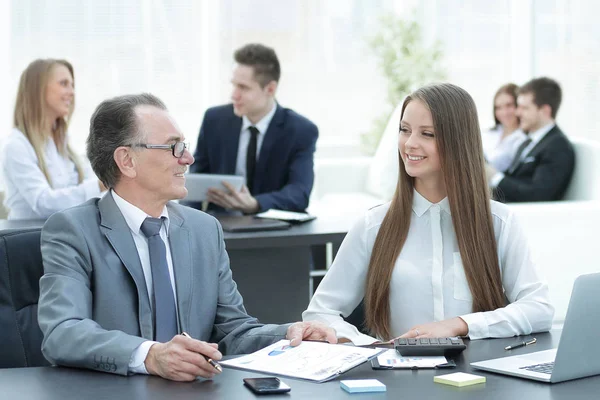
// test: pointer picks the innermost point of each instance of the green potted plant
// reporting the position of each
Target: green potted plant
(406, 62)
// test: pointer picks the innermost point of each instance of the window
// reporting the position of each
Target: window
(182, 51)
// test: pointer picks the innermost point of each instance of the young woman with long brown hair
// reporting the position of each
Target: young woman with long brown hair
(42, 174)
(500, 144)
(440, 259)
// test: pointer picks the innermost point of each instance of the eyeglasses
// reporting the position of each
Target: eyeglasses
(177, 148)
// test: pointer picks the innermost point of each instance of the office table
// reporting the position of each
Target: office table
(57, 383)
(271, 268)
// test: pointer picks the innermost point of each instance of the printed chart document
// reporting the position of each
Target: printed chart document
(314, 361)
(392, 360)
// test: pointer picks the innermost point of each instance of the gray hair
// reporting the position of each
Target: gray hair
(114, 124)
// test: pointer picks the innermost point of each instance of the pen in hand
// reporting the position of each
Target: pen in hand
(522, 344)
(210, 360)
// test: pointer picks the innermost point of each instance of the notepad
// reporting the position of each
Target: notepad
(362, 386)
(459, 379)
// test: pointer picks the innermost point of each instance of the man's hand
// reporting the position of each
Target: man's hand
(182, 359)
(490, 172)
(233, 200)
(310, 331)
(447, 328)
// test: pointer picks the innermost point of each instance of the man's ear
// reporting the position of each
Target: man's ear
(126, 161)
(547, 110)
(271, 88)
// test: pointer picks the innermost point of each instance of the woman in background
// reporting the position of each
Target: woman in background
(42, 174)
(440, 259)
(500, 144)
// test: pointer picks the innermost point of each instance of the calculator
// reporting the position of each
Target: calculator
(448, 346)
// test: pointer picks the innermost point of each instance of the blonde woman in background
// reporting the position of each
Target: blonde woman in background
(42, 174)
(440, 259)
(500, 144)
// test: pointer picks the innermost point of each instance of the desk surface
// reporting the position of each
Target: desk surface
(319, 231)
(53, 383)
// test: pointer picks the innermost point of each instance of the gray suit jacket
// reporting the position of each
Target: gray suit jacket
(94, 309)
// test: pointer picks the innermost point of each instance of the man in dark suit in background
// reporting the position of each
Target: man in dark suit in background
(271, 146)
(544, 163)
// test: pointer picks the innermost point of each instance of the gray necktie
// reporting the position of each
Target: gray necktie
(165, 316)
(517, 160)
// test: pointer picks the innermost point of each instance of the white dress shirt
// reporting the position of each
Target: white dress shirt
(428, 282)
(262, 126)
(28, 195)
(535, 137)
(134, 217)
(500, 152)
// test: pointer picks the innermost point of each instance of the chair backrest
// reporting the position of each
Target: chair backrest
(3, 209)
(585, 184)
(20, 272)
(383, 171)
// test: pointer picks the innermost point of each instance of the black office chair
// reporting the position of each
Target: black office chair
(357, 318)
(20, 272)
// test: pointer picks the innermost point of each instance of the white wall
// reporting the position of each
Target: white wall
(182, 51)
(5, 102)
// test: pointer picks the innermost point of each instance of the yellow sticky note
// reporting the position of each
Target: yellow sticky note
(459, 379)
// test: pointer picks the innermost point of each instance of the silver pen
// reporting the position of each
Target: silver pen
(522, 344)
(212, 362)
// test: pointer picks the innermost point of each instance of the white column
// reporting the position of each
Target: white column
(7, 98)
(211, 75)
(521, 40)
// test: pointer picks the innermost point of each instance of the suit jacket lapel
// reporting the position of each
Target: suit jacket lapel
(272, 136)
(541, 145)
(180, 243)
(116, 230)
(232, 142)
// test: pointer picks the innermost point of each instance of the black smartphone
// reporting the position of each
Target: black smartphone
(266, 385)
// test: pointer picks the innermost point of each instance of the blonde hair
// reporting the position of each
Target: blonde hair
(30, 114)
(461, 156)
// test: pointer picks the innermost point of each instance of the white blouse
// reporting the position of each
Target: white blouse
(28, 195)
(500, 153)
(429, 283)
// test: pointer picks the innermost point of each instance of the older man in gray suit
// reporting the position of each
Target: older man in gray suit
(123, 275)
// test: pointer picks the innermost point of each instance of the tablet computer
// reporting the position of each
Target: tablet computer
(198, 184)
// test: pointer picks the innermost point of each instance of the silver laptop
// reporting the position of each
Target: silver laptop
(578, 352)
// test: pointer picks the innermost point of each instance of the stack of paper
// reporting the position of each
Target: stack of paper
(362, 386)
(391, 359)
(459, 379)
(288, 216)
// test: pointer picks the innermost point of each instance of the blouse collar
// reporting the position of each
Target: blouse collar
(421, 204)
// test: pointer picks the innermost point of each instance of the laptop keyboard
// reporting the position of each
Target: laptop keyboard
(545, 368)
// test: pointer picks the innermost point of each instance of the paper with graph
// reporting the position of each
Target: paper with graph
(315, 361)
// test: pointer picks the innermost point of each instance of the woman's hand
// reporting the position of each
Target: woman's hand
(447, 328)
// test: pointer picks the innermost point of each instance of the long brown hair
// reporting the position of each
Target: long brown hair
(30, 114)
(461, 156)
